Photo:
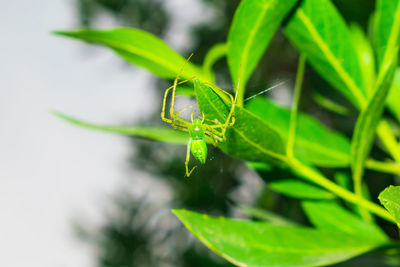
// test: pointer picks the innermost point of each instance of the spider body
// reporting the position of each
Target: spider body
(197, 128)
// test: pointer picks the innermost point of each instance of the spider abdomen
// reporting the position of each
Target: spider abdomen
(199, 150)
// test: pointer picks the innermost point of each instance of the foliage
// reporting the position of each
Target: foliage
(272, 138)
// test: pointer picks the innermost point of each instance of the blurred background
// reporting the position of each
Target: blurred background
(72, 197)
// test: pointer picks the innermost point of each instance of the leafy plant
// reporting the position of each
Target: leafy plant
(269, 136)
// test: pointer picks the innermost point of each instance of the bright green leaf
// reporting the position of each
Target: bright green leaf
(141, 48)
(250, 138)
(386, 30)
(299, 189)
(253, 26)
(393, 99)
(364, 132)
(330, 215)
(155, 133)
(365, 57)
(314, 142)
(330, 104)
(248, 243)
(390, 198)
(318, 31)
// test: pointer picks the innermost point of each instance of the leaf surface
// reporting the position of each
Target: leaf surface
(386, 35)
(250, 138)
(393, 99)
(365, 57)
(314, 142)
(155, 133)
(319, 31)
(390, 198)
(299, 189)
(254, 24)
(248, 243)
(329, 215)
(142, 49)
(364, 132)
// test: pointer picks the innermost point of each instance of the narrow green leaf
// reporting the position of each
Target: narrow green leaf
(386, 33)
(367, 122)
(247, 243)
(393, 99)
(365, 57)
(253, 26)
(299, 189)
(390, 198)
(250, 138)
(318, 31)
(330, 215)
(314, 142)
(141, 48)
(330, 104)
(266, 215)
(259, 166)
(155, 133)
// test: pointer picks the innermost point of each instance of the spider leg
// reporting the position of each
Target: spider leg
(189, 107)
(163, 106)
(165, 101)
(230, 120)
(171, 110)
(217, 135)
(179, 127)
(188, 173)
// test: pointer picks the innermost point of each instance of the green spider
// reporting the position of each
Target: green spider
(197, 129)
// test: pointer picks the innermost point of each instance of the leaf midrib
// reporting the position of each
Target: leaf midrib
(355, 90)
(251, 38)
(132, 49)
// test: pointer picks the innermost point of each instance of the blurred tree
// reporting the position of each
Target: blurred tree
(148, 15)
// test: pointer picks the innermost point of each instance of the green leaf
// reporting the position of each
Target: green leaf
(250, 138)
(329, 215)
(299, 189)
(155, 133)
(386, 33)
(213, 55)
(247, 243)
(141, 48)
(390, 198)
(314, 142)
(318, 31)
(266, 215)
(365, 57)
(394, 96)
(330, 104)
(364, 132)
(253, 26)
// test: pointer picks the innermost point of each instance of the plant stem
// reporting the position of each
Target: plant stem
(381, 166)
(312, 175)
(295, 106)
(213, 55)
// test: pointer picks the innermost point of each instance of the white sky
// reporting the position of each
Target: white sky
(50, 171)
